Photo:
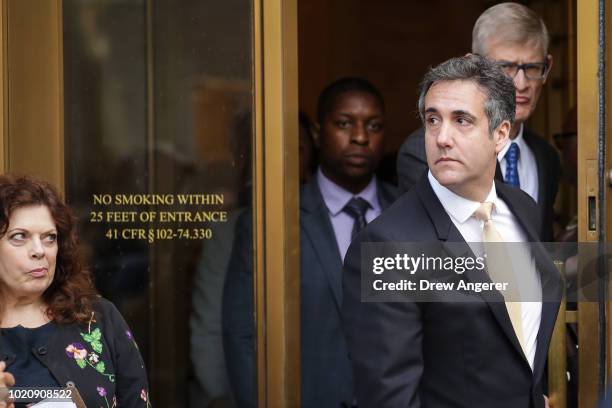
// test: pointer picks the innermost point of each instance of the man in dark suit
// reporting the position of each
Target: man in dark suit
(340, 199)
(516, 37)
(443, 353)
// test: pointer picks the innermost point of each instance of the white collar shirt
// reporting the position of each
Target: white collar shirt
(460, 211)
(336, 198)
(527, 165)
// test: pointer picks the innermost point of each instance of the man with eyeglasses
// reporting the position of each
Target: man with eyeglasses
(515, 37)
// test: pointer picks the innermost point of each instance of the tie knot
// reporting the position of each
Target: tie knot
(356, 207)
(483, 212)
(513, 153)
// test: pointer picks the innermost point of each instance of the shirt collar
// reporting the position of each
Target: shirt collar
(460, 208)
(519, 140)
(336, 197)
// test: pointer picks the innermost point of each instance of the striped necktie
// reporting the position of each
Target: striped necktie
(357, 208)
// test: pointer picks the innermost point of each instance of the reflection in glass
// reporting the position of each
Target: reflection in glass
(158, 105)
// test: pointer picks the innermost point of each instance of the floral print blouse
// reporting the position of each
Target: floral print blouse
(99, 358)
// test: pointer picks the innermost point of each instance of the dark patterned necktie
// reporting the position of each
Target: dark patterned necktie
(357, 208)
(512, 157)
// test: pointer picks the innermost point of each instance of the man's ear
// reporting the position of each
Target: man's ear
(316, 132)
(549, 65)
(501, 135)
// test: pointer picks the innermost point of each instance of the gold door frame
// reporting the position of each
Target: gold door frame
(588, 185)
(32, 122)
(31, 142)
(276, 252)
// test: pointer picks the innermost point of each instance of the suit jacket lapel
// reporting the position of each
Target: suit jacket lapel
(550, 281)
(498, 173)
(317, 227)
(386, 193)
(447, 232)
(542, 186)
(517, 210)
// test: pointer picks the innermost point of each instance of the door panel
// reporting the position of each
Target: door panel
(158, 107)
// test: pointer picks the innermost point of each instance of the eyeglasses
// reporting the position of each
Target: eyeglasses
(532, 70)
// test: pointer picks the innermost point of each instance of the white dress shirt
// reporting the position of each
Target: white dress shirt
(460, 211)
(336, 198)
(527, 166)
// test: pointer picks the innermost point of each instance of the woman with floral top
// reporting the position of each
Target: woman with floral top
(55, 330)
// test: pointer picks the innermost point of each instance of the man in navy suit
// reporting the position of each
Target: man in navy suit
(449, 354)
(341, 198)
(515, 37)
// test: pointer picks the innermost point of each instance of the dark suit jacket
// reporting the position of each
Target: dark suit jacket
(606, 403)
(112, 361)
(327, 378)
(412, 162)
(442, 354)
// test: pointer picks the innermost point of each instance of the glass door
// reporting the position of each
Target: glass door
(158, 105)
(172, 130)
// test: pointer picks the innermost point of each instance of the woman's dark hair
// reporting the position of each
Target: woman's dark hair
(69, 297)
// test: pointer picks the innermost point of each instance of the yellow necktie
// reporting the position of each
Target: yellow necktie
(499, 266)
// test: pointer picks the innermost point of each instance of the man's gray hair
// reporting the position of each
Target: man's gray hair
(500, 103)
(509, 22)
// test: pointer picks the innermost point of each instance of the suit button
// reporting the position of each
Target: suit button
(42, 351)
